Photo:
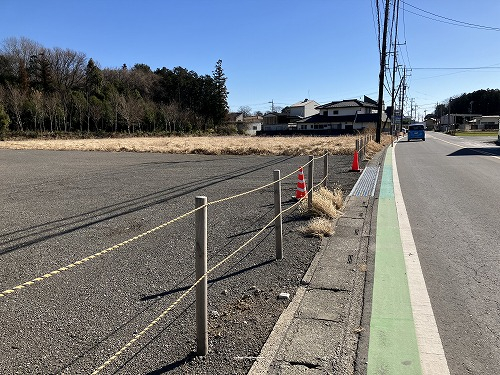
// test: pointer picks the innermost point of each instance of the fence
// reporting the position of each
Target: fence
(361, 144)
(200, 212)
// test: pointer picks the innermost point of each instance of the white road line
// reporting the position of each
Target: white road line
(432, 358)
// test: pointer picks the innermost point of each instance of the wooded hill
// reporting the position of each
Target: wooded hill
(484, 102)
(55, 90)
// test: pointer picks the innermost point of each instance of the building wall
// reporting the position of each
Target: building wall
(275, 127)
(344, 111)
(307, 109)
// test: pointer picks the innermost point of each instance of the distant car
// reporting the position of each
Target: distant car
(416, 131)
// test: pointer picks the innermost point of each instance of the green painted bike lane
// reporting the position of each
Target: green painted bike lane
(392, 346)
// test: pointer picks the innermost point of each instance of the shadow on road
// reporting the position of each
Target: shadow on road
(473, 151)
(22, 238)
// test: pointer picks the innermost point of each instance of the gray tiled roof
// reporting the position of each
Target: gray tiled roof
(346, 104)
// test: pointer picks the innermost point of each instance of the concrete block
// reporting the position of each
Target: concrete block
(333, 278)
(324, 305)
(312, 342)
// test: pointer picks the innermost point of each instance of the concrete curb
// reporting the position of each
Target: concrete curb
(318, 333)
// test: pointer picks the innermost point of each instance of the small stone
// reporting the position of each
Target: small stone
(284, 295)
(225, 292)
(214, 314)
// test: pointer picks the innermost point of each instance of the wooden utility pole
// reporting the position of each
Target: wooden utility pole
(381, 75)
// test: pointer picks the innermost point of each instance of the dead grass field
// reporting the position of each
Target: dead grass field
(209, 145)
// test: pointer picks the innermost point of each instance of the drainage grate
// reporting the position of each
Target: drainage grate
(365, 186)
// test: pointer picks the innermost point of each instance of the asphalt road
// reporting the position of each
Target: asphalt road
(450, 186)
(60, 207)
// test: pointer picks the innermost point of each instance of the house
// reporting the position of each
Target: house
(250, 125)
(234, 117)
(482, 123)
(345, 116)
(337, 117)
(467, 122)
(302, 109)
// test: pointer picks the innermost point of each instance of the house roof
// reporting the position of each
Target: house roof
(346, 104)
(233, 115)
(303, 103)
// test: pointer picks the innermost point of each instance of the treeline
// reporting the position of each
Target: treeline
(483, 102)
(60, 90)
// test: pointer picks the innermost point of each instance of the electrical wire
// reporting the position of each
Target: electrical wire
(450, 21)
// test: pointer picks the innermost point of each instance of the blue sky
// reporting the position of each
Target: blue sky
(274, 50)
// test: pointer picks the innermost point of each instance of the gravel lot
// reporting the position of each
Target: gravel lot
(61, 206)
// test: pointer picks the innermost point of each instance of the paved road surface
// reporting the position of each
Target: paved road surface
(451, 188)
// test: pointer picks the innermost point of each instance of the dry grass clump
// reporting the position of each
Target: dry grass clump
(326, 203)
(326, 206)
(318, 227)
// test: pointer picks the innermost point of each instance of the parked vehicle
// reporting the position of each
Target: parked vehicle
(416, 131)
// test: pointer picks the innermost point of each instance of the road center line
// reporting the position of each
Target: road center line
(432, 358)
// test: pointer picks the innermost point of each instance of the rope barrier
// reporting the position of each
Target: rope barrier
(136, 337)
(93, 256)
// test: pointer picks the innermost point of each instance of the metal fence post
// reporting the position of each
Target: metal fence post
(278, 221)
(201, 270)
(325, 170)
(310, 181)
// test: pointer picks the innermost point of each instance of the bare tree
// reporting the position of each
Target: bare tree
(21, 49)
(52, 104)
(16, 100)
(125, 110)
(246, 110)
(95, 111)
(38, 108)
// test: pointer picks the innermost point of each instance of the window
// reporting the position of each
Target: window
(325, 113)
(416, 127)
(336, 112)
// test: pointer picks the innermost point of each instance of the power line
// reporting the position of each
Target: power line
(375, 27)
(451, 21)
(461, 68)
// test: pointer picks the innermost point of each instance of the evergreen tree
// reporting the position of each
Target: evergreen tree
(221, 108)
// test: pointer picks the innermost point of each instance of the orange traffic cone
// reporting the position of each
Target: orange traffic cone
(355, 162)
(301, 186)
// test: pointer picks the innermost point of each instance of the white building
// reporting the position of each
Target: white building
(303, 109)
(343, 116)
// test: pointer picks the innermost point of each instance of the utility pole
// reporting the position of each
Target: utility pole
(381, 74)
(449, 115)
(402, 100)
(272, 105)
(394, 66)
(411, 109)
